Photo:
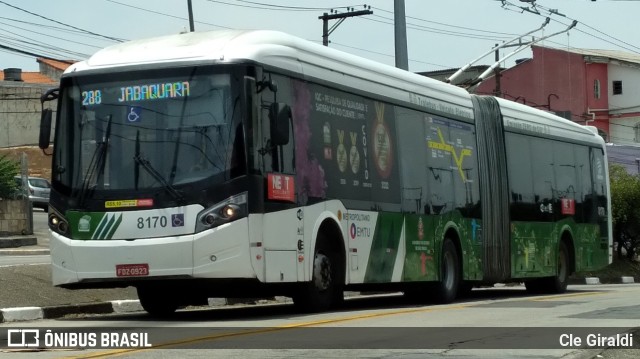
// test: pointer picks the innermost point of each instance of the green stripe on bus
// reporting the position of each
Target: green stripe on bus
(384, 248)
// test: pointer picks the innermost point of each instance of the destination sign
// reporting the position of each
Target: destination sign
(142, 92)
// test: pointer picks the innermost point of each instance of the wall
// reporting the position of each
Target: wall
(20, 113)
(552, 80)
(623, 132)
(13, 217)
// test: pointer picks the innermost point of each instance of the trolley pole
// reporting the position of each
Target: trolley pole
(326, 30)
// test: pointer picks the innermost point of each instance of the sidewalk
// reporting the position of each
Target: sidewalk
(27, 292)
(24, 245)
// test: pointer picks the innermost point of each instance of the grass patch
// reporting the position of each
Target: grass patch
(613, 272)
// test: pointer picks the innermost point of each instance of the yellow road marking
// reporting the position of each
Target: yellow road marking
(568, 296)
(117, 352)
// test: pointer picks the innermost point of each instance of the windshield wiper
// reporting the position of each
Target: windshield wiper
(98, 160)
(141, 161)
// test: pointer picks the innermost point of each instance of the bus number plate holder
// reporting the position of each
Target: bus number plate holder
(132, 270)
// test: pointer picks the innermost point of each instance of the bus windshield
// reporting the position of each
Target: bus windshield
(145, 130)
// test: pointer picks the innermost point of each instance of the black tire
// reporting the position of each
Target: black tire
(446, 289)
(325, 290)
(535, 286)
(465, 288)
(156, 303)
(557, 283)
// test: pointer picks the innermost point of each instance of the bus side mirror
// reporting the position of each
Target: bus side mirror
(45, 128)
(45, 118)
(279, 117)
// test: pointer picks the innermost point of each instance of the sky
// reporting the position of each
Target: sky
(441, 34)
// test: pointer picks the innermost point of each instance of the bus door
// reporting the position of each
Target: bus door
(283, 227)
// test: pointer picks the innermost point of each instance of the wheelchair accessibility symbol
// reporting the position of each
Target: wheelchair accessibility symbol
(177, 220)
(134, 114)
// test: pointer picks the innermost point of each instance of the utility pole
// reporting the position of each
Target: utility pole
(400, 25)
(190, 7)
(326, 31)
(497, 91)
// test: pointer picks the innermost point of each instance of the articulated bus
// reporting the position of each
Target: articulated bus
(254, 163)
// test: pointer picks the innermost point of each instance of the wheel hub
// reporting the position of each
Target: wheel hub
(322, 272)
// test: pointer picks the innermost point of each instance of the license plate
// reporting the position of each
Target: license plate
(132, 270)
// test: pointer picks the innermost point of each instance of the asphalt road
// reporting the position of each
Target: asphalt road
(491, 323)
(25, 281)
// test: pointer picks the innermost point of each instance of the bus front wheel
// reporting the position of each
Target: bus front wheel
(156, 303)
(325, 289)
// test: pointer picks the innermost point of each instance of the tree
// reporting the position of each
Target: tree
(625, 197)
(8, 170)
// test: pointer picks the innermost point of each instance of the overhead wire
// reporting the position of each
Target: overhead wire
(60, 23)
(550, 13)
(55, 28)
(165, 14)
(32, 54)
(43, 34)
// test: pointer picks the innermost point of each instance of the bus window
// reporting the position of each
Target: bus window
(412, 156)
(566, 182)
(544, 185)
(584, 183)
(520, 178)
(276, 158)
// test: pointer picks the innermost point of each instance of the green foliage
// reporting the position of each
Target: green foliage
(8, 170)
(625, 208)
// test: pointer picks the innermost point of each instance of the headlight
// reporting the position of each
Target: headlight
(57, 222)
(233, 208)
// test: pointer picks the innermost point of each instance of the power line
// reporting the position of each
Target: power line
(274, 7)
(285, 7)
(258, 7)
(60, 23)
(439, 31)
(43, 34)
(12, 40)
(19, 51)
(388, 55)
(21, 46)
(55, 28)
(533, 10)
(448, 25)
(165, 14)
(41, 43)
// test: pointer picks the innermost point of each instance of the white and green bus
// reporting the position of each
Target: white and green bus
(254, 163)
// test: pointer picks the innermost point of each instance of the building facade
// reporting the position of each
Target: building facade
(595, 87)
(20, 105)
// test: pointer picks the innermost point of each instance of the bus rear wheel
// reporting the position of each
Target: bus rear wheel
(446, 290)
(156, 302)
(557, 283)
(325, 290)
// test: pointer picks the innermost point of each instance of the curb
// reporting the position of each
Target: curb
(18, 241)
(607, 280)
(35, 313)
(24, 252)
(22, 314)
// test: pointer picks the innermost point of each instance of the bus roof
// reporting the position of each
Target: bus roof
(522, 118)
(276, 49)
(313, 60)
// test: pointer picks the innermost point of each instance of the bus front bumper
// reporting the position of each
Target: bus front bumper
(221, 252)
